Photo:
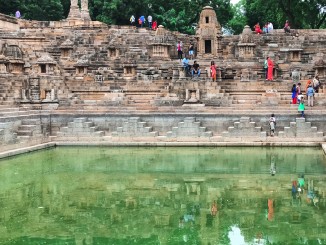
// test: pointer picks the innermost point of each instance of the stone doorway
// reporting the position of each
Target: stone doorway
(208, 46)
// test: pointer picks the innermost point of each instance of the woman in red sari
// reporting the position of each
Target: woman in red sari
(213, 71)
(270, 67)
(154, 26)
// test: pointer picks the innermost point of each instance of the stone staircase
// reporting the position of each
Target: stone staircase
(301, 129)
(80, 127)
(29, 128)
(243, 129)
(7, 136)
(189, 128)
(134, 127)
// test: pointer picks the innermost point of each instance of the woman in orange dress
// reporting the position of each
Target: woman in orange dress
(270, 67)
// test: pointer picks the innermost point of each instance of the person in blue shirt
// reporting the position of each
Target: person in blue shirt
(185, 63)
(310, 94)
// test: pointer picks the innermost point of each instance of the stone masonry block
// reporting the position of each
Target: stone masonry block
(80, 120)
(236, 125)
(245, 119)
(293, 124)
(189, 119)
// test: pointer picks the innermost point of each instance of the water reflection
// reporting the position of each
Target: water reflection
(164, 196)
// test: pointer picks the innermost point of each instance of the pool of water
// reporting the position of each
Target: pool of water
(182, 195)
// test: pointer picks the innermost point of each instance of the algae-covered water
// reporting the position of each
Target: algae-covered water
(140, 195)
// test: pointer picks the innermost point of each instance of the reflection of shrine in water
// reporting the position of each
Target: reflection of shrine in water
(161, 196)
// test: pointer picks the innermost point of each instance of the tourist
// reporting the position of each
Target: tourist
(294, 94)
(141, 21)
(265, 28)
(150, 19)
(17, 14)
(300, 97)
(191, 51)
(214, 209)
(301, 107)
(270, 27)
(265, 67)
(298, 88)
(186, 66)
(307, 86)
(272, 124)
(154, 26)
(132, 20)
(287, 28)
(310, 94)
(179, 49)
(213, 71)
(270, 67)
(195, 69)
(257, 28)
(316, 84)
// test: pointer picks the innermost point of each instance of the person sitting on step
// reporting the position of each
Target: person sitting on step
(195, 69)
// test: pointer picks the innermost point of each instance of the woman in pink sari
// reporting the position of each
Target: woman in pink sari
(270, 67)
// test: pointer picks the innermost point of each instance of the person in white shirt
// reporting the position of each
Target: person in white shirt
(270, 27)
(150, 20)
(272, 124)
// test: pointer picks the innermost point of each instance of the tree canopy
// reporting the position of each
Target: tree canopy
(181, 15)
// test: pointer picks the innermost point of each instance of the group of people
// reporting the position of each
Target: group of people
(267, 28)
(142, 20)
(311, 88)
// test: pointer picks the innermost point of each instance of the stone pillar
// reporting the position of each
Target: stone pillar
(84, 10)
(74, 12)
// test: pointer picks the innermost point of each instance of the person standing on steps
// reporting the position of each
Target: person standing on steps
(310, 94)
(213, 71)
(150, 19)
(272, 124)
(270, 68)
(266, 67)
(294, 94)
(132, 20)
(179, 49)
(301, 108)
(191, 51)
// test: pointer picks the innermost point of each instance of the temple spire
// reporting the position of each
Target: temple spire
(84, 10)
(74, 12)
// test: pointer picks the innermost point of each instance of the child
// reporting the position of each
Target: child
(301, 108)
(272, 123)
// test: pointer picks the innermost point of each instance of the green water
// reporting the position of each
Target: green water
(107, 195)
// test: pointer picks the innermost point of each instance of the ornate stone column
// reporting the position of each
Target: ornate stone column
(84, 10)
(74, 12)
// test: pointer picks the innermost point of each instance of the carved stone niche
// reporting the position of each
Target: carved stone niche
(129, 70)
(193, 186)
(113, 52)
(16, 66)
(320, 68)
(161, 51)
(82, 66)
(295, 55)
(192, 96)
(46, 64)
(245, 75)
(66, 49)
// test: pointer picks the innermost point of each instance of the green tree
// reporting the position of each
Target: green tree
(301, 14)
(239, 20)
